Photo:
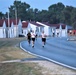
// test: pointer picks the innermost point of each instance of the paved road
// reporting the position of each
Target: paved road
(57, 50)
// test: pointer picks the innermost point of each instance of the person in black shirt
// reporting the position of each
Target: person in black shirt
(29, 37)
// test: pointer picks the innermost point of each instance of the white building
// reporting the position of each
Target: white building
(11, 29)
(47, 28)
(29, 26)
(57, 30)
(2, 29)
(37, 28)
(24, 28)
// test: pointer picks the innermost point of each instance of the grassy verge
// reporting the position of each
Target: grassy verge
(19, 69)
(9, 49)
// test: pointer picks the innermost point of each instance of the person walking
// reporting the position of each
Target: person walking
(29, 37)
(33, 38)
(43, 36)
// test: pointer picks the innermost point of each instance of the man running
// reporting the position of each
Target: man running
(29, 37)
(33, 38)
(36, 35)
(43, 36)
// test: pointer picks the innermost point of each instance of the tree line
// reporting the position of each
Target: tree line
(56, 13)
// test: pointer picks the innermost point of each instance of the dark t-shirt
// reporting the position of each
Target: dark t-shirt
(29, 36)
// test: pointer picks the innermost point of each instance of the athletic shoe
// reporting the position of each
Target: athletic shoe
(43, 46)
(32, 46)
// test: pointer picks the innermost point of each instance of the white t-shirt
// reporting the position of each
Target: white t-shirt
(43, 35)
(33, 35)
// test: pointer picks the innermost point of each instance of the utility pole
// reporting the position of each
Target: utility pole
(16, 20)
(8, 24)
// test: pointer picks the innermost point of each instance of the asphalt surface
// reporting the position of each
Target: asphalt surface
(57, 50)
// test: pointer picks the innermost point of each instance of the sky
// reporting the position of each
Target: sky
(39, 4)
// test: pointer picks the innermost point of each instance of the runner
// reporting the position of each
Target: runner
(29, 37)
(33, 38)
(36, 35)
(43, 36)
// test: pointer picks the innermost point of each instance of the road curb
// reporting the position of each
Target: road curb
(48, 58)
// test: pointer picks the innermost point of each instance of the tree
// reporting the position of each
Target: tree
(20, 8)
(42, 16)
(67, 14)
(55, 13)
(1, 15)
(73, 18)
(35, 14)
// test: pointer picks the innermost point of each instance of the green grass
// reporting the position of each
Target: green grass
(10, 42)
(20, 69)
(9, 50)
